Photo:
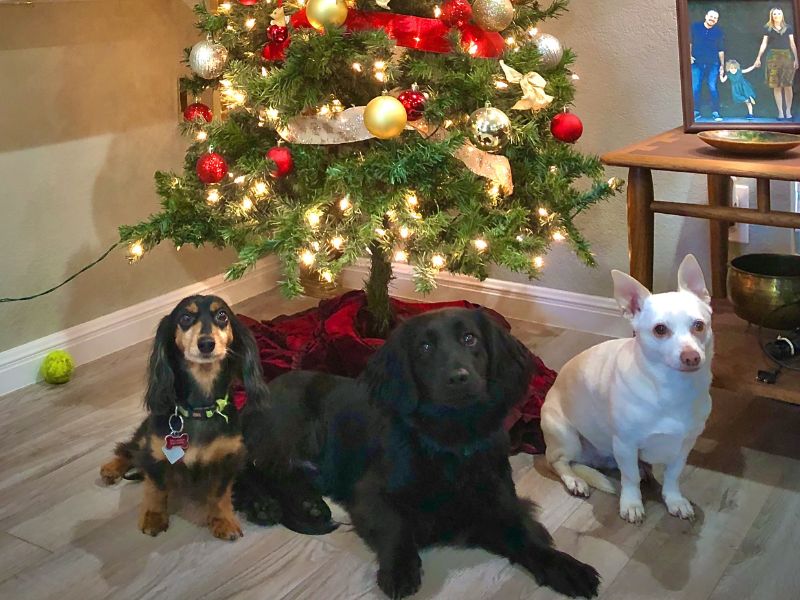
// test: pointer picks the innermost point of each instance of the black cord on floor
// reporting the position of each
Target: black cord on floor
(66, 281)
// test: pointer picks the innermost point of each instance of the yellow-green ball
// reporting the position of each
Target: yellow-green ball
(57, 367)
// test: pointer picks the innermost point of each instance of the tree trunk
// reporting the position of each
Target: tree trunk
(380, 274)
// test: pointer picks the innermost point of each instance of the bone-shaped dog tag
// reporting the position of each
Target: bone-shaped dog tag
(175, 445)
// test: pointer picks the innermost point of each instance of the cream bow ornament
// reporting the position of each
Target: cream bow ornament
(532, 84)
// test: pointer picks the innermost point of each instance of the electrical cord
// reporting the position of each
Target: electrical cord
(793, 364)
(66, 281)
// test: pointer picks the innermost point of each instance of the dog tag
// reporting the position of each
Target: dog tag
(175, 445)
(173, 454)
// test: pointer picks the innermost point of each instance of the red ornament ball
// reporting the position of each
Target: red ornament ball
(198, 110)
(248, 2)
(275, 51)
(282, 157)
(211, 167)
(566, 127)
(456, 13)
(277, 33)
(414, 103)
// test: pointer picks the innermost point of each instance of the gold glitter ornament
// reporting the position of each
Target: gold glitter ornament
(385, 117)
(208, 59)
(326, 13)
(493, 15)
(489, 129)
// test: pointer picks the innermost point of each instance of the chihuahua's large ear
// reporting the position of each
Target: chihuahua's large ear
(510, 362)
(160, 397)
(690, 279)
(629, 293)
(246, 351)
(390, 376)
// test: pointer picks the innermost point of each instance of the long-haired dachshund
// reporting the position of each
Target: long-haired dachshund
(416, 451)
(193, 433)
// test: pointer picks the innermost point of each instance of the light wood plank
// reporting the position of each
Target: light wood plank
(17, 555)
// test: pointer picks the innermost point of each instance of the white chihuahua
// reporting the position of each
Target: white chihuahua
(641, 398)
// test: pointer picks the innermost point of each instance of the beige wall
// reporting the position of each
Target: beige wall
(88, 112)
(629, 88)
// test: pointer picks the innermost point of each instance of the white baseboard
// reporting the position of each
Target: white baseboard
(96, 338)
(558, 308)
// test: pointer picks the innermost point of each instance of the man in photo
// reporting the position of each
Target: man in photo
(707, 53)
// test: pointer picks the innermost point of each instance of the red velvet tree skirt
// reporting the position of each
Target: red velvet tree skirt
(327, 338)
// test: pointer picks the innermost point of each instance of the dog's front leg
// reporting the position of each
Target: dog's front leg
(392, 538)
(222, 520)
(505, 524)
(153, 517)
(677, 504)
(630, 501)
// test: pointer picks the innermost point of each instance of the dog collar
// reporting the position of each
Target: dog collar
(205, 412)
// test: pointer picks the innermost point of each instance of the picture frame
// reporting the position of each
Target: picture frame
(726, 100)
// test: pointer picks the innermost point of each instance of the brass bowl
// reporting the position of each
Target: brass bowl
(765, 289)
(741, 141)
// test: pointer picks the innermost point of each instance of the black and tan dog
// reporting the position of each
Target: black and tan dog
(193, 434)
(416, 451)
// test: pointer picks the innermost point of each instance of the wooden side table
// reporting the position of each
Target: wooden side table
(675, 150)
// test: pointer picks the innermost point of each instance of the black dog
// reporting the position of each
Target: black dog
(416, 451)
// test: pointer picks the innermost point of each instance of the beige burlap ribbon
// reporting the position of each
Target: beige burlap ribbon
(348, 126)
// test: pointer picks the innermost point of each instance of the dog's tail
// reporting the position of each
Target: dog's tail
(594, 478)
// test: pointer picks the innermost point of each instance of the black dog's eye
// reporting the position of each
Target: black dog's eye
(698, 327)
(186, 320)
(469, 339)
(221, 318)
(425, 347)
(661, 330)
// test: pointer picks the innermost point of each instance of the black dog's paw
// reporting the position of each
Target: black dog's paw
(399, 582)
(260, 509)
(567, 575)
(311, 516)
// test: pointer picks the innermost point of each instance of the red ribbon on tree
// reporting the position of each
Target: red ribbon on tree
(419, 33)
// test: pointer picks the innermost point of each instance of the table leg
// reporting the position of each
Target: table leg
(719, 194)
(640, 225)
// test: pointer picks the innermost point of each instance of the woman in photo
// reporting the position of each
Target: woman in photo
(781, 61)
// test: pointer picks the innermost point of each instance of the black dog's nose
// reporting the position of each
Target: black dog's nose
(459, 376)
(206, 344)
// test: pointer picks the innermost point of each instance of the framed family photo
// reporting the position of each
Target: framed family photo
(739, 64)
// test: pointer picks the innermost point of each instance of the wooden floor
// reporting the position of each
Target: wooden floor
(63, 535)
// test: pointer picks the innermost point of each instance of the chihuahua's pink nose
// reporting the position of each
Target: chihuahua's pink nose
(690, 358)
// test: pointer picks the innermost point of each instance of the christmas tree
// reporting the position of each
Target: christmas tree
(407, 131)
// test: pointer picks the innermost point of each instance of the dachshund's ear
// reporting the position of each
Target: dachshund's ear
(160, 396)
(390, 376)
(246, 351)
(510, 362)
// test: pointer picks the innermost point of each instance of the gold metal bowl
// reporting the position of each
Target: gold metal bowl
(741, 141)
(765, 289)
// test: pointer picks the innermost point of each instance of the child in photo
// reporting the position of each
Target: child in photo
(741, 89)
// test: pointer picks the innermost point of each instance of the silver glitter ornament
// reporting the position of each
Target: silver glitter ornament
(208, 59)
(489, 129)
(493, 15)
(550, 50)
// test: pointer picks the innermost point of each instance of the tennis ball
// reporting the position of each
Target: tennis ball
(57, 367)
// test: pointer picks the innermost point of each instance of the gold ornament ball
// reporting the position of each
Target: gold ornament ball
(385, 117)
(493, 15)
(489, 129)
(326, 13)
(208, 59)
